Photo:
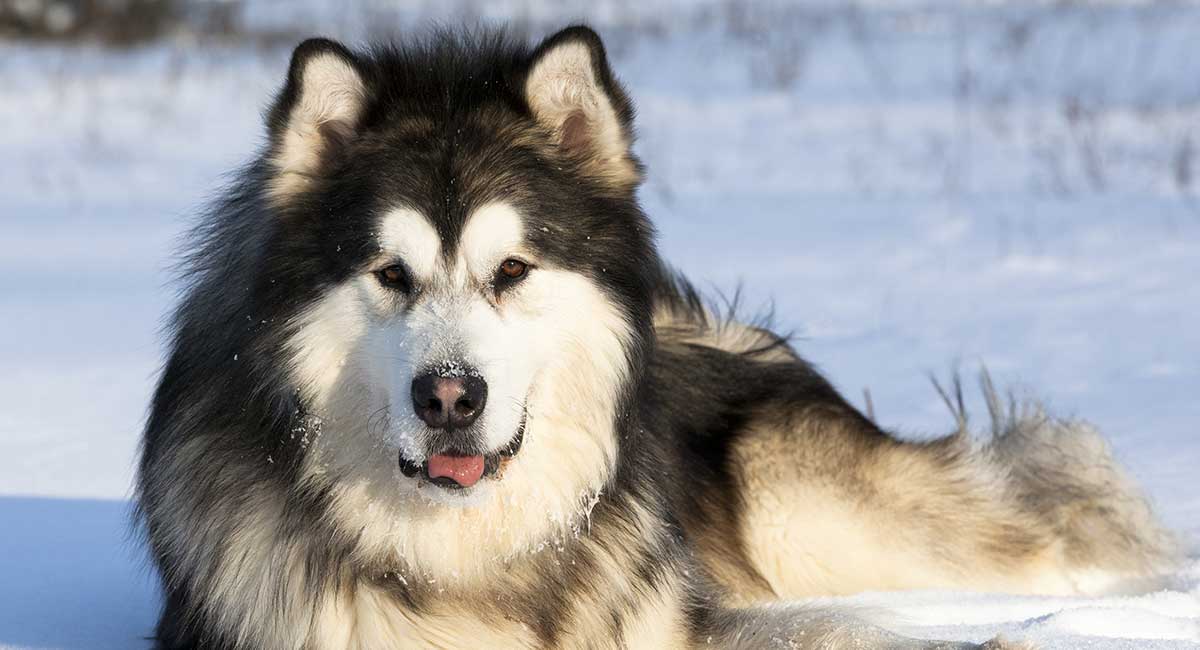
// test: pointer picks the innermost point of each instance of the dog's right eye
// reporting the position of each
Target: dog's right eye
(394, 277)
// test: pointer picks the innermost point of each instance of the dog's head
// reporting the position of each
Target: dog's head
(457, 231)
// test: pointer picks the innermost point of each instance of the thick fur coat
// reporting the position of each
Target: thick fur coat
(645, 473)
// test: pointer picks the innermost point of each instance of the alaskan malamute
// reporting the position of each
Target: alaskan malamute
(431, 386)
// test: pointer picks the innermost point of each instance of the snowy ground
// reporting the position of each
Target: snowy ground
(914, 184)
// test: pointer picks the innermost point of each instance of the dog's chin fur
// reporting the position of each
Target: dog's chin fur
(463, 539)
(679, 473)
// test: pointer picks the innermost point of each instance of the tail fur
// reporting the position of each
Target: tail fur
(1063, 472)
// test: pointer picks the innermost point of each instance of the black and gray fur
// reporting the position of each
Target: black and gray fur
(445, 128)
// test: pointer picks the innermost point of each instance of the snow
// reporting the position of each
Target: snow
(916, 186)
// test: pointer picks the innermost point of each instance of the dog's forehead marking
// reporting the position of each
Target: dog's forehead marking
(406, 234)
(492, 232)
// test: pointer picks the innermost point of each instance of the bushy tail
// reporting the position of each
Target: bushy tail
(1063, 471)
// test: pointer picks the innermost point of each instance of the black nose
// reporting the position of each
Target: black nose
(448, 402)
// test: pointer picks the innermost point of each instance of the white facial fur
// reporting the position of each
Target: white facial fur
(552, 346)
(454, 320)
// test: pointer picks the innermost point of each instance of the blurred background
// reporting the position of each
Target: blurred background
(915, 186)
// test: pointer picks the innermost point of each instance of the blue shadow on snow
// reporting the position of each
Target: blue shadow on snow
(72, 575)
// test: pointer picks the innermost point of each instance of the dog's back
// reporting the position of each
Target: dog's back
(797, 494)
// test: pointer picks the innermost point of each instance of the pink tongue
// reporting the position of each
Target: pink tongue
(465, 470)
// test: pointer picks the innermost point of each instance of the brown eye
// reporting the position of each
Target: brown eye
(394, 277)
(513, 269)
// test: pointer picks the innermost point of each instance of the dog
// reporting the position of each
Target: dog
(430, 385)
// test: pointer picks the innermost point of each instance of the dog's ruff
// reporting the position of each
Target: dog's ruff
(643, 472)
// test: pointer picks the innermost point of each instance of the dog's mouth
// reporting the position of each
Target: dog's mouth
(453, 470)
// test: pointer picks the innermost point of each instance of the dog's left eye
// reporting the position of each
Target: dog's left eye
(513, 269)
(395, 277)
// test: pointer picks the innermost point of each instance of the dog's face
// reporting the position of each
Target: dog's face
(443, 352)
(478, 287)
(457, 338)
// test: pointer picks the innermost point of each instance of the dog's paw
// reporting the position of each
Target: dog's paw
(1001, 643)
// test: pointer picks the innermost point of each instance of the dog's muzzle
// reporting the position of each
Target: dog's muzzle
(449, 399)
(449, 403)
(455, 471)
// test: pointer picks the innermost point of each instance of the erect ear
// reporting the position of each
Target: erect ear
(317, 112)
(572, 92)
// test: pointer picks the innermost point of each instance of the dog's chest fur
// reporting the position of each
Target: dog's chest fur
(608, 615)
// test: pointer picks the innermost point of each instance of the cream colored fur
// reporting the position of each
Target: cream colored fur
(561, 86)
(830, 509)
(332, 95)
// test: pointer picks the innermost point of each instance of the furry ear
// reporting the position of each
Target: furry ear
(317, 112)
(572, 92)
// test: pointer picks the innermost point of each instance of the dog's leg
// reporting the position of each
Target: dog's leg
(807, 628)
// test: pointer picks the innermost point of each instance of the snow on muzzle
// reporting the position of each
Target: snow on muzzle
(449, 401)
